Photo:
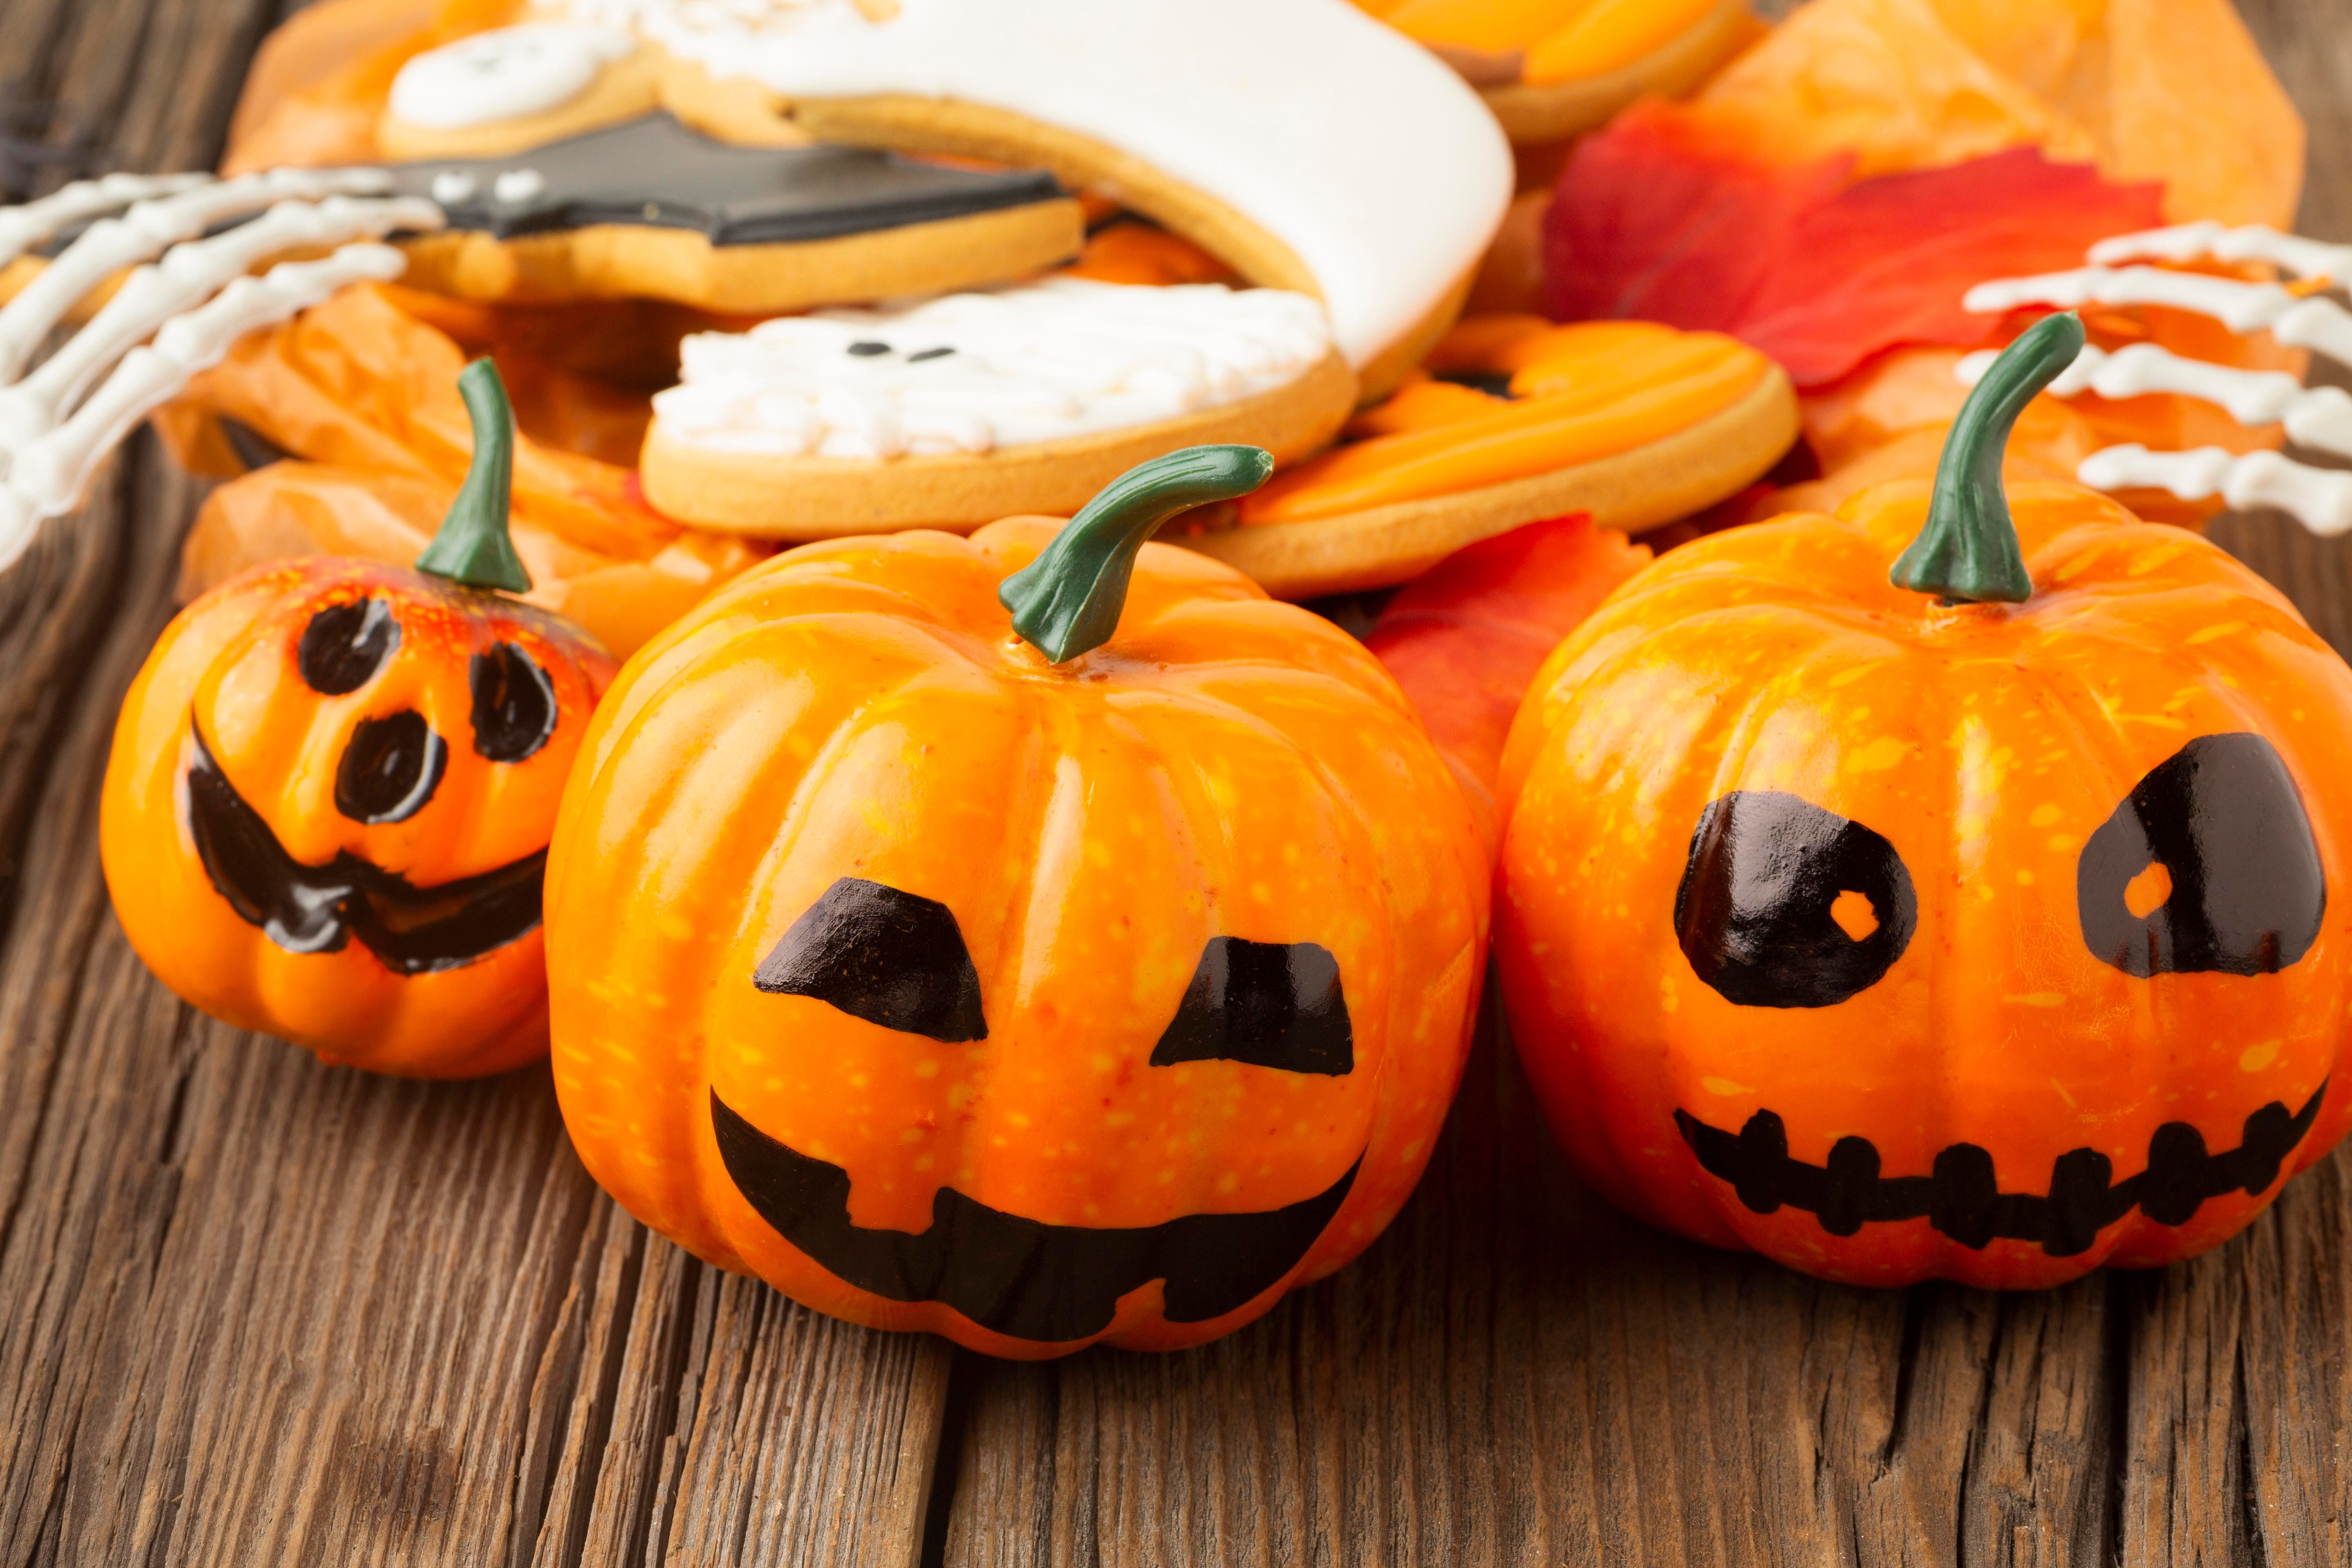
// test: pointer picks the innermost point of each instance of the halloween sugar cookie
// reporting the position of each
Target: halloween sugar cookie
(650, 208)
(1038, 939)
(953, 411)
(512, 90)
(1300, 140)
(1515, 420)
(645, 208)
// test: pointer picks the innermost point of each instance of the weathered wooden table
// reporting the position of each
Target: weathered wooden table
(254, 1311)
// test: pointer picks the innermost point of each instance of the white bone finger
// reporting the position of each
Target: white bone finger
(2319, 498)
(144, 232)
(2319, 416)
(49, 475)
(2254, 242)
(2322, 326)
(37, 222)
(187, 276)
(18, 525)
(2240, 306)
(2319, 324)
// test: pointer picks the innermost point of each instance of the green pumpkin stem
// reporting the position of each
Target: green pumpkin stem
(1967, 551)
(474, 546)
(1068, 601)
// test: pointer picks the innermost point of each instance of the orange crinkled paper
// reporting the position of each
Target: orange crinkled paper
(362, 391)
(2167, 90)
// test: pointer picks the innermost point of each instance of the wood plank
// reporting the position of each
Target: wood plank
(2239, 1412)
(1517, 1375)
(263, 1311)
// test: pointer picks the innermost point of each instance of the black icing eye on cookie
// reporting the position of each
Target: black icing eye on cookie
(871, 348)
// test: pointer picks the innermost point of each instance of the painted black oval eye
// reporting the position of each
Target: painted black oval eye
(880, 954)
(1764, 911)
(514, 704)
(2247, 890)
(345, 645)
(391, 768)
(1273, 1004)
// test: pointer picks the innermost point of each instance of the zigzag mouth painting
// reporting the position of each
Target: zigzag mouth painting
(1758, 916)
(1962, 1197)
(319, 909)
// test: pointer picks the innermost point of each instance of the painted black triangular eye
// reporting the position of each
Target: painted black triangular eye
(1273, 1004)
(882, 955)
(514, 704)
(2247, 889)
(1758, 909)
(391, 768)
(345, 645)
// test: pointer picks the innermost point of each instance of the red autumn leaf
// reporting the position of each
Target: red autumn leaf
(1658, 219)
(1464, 639)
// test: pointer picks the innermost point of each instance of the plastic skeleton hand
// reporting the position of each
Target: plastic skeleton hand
(172, 317)
(2317, 417)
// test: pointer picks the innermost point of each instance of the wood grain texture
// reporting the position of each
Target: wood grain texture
(1515, 1374)
(254, 1309)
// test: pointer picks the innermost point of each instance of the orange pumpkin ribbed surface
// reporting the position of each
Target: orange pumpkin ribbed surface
(330, 791)
(1896, 935)
(1034, 998)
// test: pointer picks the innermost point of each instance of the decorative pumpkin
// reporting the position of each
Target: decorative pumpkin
(1038, 938)
(327, 810)
(1985, 922)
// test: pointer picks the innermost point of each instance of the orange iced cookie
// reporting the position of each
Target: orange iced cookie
(1554, 68)
(1514, 420)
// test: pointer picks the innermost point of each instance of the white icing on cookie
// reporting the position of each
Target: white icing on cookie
(1348, 142)
(504, 74)
(972, 373)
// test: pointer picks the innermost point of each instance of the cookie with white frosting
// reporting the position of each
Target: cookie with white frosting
(952, 411)
(514, 89)
(1300, 140)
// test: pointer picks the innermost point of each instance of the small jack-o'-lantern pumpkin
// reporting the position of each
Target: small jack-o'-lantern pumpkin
(1097, 971)
(1985, 922)
(327, 811)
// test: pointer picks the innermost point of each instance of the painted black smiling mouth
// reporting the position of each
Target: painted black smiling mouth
(1963, 1200)
(319, 909)
(1020, 1277)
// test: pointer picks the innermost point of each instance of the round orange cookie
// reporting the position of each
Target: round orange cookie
(1556, 68)
(1514, 420)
